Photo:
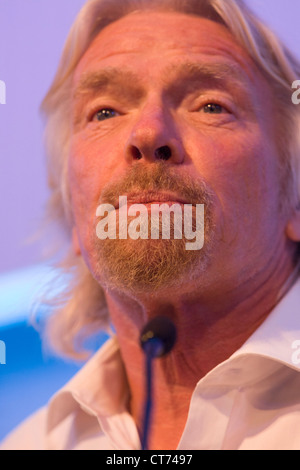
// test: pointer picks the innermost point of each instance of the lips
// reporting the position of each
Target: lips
(152, 198)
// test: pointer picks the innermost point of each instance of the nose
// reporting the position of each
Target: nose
(154, 136)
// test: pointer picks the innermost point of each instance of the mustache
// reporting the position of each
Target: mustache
(159, 176)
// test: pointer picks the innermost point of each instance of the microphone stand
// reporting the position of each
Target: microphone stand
(150, 355)
(157, 339)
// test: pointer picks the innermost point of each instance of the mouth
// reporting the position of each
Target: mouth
(150, 197)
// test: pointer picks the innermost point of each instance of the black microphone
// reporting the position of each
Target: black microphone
(157, 339)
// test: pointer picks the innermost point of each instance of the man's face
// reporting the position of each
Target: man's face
(170, 81)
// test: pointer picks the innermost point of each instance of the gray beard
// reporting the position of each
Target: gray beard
(149, 265)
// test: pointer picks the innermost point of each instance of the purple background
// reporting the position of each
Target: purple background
(32, 33)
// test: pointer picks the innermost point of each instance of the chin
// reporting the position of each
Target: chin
(146, 266)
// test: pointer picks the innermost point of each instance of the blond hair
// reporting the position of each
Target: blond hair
(81, 309)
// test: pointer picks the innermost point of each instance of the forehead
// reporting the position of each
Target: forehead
(151, 40)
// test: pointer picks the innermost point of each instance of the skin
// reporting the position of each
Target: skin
(234, 152)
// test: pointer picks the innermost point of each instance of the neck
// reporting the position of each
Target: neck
(211, 326)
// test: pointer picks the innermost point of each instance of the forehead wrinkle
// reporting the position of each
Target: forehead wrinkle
(110, 77)
(217, 72)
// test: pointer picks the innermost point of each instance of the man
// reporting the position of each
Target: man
(160, 102)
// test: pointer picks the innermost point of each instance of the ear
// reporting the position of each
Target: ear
(293, 226)
(75, 242)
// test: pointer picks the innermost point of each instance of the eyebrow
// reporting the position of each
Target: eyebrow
(217, 70)
(175, 74)
(110, 77)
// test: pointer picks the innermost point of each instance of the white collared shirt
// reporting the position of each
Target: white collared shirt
(250, 401)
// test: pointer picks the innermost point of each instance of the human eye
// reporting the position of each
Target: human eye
(214, 111)
(104, 114)
(213, 108)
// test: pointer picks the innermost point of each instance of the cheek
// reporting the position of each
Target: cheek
(91, 164)
(87, 171)
(238, 166)
(84, 177)
(241, 169)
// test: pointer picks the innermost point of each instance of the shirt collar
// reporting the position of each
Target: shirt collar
(99, 388)
(268, 349)
(275, 338)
